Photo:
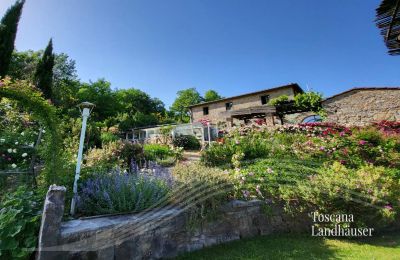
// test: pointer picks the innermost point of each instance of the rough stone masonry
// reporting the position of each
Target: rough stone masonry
(159, 233)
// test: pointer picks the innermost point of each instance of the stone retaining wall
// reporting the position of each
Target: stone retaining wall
(165, 233)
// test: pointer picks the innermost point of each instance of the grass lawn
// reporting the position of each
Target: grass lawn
(303, 247)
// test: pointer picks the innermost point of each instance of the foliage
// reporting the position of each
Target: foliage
(44, 71)
(184, 99)
(107, 137)
(19, 224)
(120, 193)
(100, 94)
(166, 162)
(308, 100)
(283, 99)
(201, 190)
(317, 166)
(17, 137)
(211, 95)
(369, 193)
(153, 152)
(30, 98)
(113, 154)
(188, 142)
(8, 32)
(65, 80)
(252, 145)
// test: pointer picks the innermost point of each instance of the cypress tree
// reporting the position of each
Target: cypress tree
(8, 32)
(44, 71)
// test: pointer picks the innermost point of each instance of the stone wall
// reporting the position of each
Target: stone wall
(361, 107)
(217, 110)
(163, 233)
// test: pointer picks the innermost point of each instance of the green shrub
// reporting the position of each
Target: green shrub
(153, 152)
(369, 193)
(111, 155)
(253, 145)
(279, 100)
(370, 135)
(107, 137)
(202, 190)
(166, 162)
(120, 193)
(188, 142)
(19, 224)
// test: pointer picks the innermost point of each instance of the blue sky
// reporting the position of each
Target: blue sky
(232, 46)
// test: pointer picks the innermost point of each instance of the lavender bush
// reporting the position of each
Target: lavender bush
(119, 193)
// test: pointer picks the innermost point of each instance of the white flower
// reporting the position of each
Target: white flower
(2, 140)
(24, 155)
(16, 143)
(9, 150)
(14, 150)
(22, 133)
(31, 144)
(14, 165)
(43, 131)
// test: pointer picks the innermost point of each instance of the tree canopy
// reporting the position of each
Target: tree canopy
(211, 95)
(184, 99)
(44, 71)
(8, 32)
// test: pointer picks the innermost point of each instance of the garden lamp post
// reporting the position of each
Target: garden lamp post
(85, 108)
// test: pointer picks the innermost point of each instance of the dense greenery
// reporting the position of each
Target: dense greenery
(185, 98)
(189, 97)
(201, 191)
(28, 97)
(19, 223)
(188, 142)
(8, 32)
(317, 166)
(211, 95)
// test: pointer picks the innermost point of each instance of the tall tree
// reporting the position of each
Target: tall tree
(211, 95)
(44, 71)
(8, 32)
(185, 98)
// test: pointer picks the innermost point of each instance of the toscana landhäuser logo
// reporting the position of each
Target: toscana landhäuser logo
(337, 225)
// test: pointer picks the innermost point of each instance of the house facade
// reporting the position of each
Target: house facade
(232, 110)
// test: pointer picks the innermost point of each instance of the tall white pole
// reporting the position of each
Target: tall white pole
(85, 115)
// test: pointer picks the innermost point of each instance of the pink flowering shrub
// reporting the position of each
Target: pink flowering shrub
(388, 127)
(322, 167)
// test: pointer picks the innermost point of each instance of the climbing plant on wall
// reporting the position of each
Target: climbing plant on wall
(30, 99)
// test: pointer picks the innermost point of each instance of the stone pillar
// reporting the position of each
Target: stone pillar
(49, 234)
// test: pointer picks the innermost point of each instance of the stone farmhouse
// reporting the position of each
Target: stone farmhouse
(240, 109)
(354, 107)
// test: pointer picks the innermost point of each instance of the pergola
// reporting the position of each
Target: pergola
(388, 21)
(266, 111)
(254, 112)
